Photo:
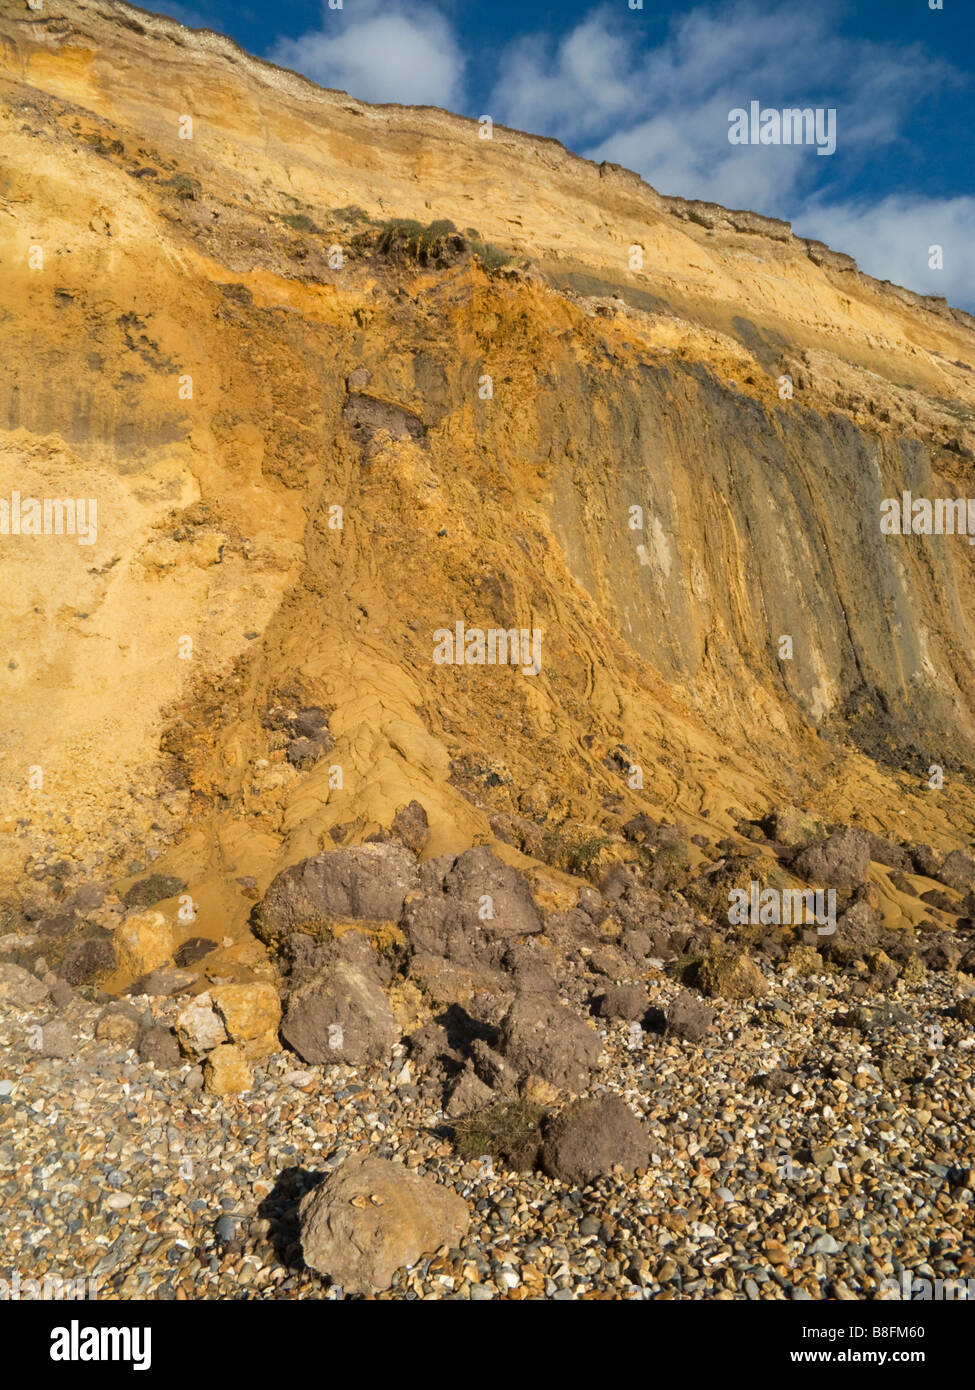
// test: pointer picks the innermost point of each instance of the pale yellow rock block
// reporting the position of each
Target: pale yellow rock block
(143, 942)
(226, 1072)
(251, 1014)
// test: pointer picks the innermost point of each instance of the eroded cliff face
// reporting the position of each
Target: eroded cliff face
(487, 402)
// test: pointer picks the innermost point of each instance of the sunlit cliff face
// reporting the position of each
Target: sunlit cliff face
(335, 379)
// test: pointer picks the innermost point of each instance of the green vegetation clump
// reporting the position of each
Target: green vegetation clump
(411, 239)
(510, 1133)
(352, 213)
(299, 222)
(585, 854)
(437, 244)
(580, 855)
(185, 187)
(684, 969)
(490, 256)
(442, 226)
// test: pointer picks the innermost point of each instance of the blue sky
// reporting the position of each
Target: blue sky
(651, 89)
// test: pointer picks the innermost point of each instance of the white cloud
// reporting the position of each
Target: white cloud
(892, 240)
(663, 111)
(573, 88)
(380, 52)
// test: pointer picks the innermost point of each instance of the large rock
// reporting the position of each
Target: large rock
(541, 1035)
(479, 873)
(473, 906)
(730, 975)
(531, 967)
(19, 987)
(859, 930)
(883, 852)
(958, 871)
(924, 861)
(627, 1002)
(251, 1014)
(226, 1071)
(838, 861)
(119, 1025)
(142, 942)
(158, 1046)
(791, 826)
(88, 960)
(443, 984)
(364, 881)
(340, 1017)
(469, 1093)
(592, 1137)
(58, 1040)
(492, 1069)
(370, 1217)
(200, 1028)
(689, 1017)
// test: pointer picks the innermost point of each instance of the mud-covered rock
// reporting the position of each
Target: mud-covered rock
(941, 954)
(884, 852)
(154, 889)
(468, 914)
(193, 950)
(158, 1046)
(626, 1001)
(492, 1068)
(19, 987)
(468, 1093)
(89, 960)
(119, 1024)
(411, 827)
(859, 930)
(441, 982)
(840, 860)
(958, 871)
(343, 1016)
(304, 752)
(434, 1058)
(530, 967)
(591, 1137)
(941, 899)
(804, 960)
(368, 882)
(688, 1017)
(925, 861)
(903, 884)
(541, 1035)
(730, 975)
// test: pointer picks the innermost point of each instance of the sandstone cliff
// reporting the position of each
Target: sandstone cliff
(189, 349)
